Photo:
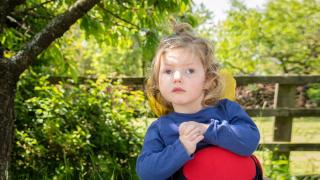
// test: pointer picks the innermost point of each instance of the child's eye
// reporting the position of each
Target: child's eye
(167, 71)
(189, 71)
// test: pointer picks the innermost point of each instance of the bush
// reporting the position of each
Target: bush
(313, 93)
(83, 131)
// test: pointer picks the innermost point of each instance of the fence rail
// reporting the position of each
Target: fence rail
(241, 80)
(290, 146)
(283, 112)
(294, 112)
(290, 80)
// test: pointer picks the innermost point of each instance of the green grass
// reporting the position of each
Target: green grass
(304, 130)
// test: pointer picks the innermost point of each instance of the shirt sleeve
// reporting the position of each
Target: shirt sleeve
(158, 161)
(237, 132)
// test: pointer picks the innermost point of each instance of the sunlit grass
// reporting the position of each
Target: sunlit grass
(304, 130)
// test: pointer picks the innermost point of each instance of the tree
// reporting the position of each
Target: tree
(29, 28)
(10, 69)
(128, 55)
(282, 37)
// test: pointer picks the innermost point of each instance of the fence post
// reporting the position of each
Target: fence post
(284, 97)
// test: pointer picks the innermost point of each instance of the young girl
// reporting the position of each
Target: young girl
(185, 82)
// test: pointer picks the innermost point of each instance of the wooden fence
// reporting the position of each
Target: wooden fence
(284, 108)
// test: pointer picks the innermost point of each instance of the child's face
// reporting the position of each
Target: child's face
(182, 79)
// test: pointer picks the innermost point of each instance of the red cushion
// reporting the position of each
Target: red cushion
(214, 163)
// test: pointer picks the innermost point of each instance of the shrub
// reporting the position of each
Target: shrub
(83, 131)
(313, 93)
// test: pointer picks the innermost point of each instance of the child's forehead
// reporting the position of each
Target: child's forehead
(180, 57)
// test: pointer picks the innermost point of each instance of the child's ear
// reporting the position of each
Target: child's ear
(206, 84)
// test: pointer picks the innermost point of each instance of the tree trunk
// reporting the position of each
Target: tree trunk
(8, 81)
(10, 69)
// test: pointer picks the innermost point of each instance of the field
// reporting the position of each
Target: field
(304, 130)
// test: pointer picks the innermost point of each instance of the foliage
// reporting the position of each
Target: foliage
(130, 54)
(275, 168)
(301, 163)
(115, 37)
(67, 131)
(283, 37)
(314, 93)
(84, 131)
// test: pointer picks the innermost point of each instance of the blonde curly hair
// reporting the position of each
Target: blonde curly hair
(183, 37)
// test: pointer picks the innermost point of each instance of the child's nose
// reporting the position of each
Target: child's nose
(177, 77)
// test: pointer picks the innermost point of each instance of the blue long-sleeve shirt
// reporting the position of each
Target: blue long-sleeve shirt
(163, 154)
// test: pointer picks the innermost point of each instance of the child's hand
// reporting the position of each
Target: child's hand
(186, 127)
(190, 134)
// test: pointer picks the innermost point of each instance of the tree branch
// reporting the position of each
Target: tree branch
(54, 29)
(241, 70)
(22, 26)
(283, 66)
(25, 11)
(118, 17)
(6, 6)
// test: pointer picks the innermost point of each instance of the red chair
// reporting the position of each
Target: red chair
(215, 163)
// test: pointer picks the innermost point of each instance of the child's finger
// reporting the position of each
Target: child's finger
(182, 128)
(194, 134)
(189, 128)
(198, 139)
(193, 137)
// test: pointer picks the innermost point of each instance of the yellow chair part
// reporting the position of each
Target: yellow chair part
(230, 85)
